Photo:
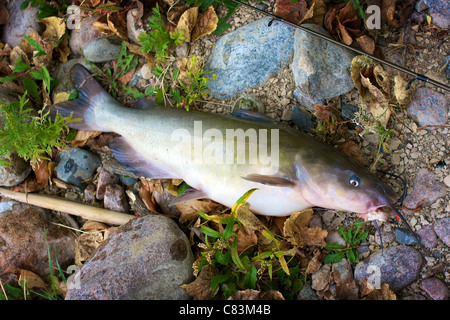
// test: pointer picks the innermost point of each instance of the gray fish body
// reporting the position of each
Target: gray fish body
(294, 172)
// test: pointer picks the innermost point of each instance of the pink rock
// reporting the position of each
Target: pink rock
(115, 198)
(435, 288)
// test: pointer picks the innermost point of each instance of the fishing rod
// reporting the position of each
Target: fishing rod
(417, 76)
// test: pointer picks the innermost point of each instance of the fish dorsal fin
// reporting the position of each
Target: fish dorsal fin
(134, 162)
(269, 180)
(191, 194)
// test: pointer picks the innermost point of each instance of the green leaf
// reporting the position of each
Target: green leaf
(32, 89)
(19, 66)
(218, 279)
(37, 46)
(223, 258)
(235, 256)
(334, 257)
(251, 278)
(210, 232)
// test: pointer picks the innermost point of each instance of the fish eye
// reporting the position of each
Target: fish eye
(355, 181)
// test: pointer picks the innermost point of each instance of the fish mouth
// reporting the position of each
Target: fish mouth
(375, 214)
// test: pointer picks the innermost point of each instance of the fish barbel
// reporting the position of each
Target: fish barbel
(221, 159)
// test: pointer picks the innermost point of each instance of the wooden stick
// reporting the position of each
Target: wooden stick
(75, 208)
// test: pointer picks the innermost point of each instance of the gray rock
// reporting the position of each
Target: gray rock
(321, 278)
(102, 50)
(426, 190)
(16, 173)
(342, 271)
(245, 57)
(104, 179)
(302, 119)
(428, 107)
(386, 237)
(147, 258)
(397, 266)
(321, 70)
(20, 23)
(348, 111)
(23, 243)
(307, 293)
(306, 101)
(442, 229)
(404, 236)
(115, 199)
(435, 288)
(76, 165)
(439, 10)
(427, 236)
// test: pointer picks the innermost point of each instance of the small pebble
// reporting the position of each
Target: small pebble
(115, 199)
(404, 236)
(426, 190)
(442, 229)
(428, 107)
(427, 236)
(104, 179)
(320, 278)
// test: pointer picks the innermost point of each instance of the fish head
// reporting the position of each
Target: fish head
(335, 181)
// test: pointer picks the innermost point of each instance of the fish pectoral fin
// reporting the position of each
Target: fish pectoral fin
(134, 162)
(191, 194)
(269, 180)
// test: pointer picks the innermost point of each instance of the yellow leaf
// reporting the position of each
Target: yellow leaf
(428, 19)
(187, 23)
(402, 95)
(32, 279)
(206, 24)
(54, 28)
(248, 219)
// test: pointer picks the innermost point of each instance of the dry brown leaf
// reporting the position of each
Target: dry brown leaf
(359, 65)
(314, 264)
(247, 238)
(248, 294)
(383, 293)
(189, 209)
(61, 184)
(32, 279)
(63, 49)
(175, 12)
(402, 95)
(171, 188)
(297, 232)
(86, 244)
(206, 24)
(126, 77)
(117, 23)
(14, 55)
(54, 28)
(316, 13)
(200, 288)
(82, 136)
(388, 12)
(93, 225)
(383, 79)
(292, 12)
(366, 43)
(26, 46)
(378, 105)
(248, 219)
(187, 23)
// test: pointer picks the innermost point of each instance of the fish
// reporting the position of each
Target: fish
(208, 152)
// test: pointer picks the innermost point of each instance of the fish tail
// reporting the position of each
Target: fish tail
(84, 108)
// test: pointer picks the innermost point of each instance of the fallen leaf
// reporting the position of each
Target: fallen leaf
(126, 77)
(32, 279)
(91, 225)
(82, 136)
(378, 105)
(187, 22)
(402, 95)
(117, 23)
(175, 12)
(200, 288)
(85, 246)
(366, 43)
(61, 184)
(297, 232)
(384, 293)
(388, 12)
(292, 12)
(314, 264)
(206, 24)
(248, 219)
(55, 28)
(248, 294)
(189, 209)
(26, 46)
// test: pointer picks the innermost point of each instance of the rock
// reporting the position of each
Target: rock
(428, 107)
(321, 69)
(16, 173)
(426, 190)
(23, 244)
(442, 229)
(342, 271)
(321, 278)
(164, 200)
(397, 266)
(147, 258)
(245, 57)
(89, 194)
(435, 288)
(134, 25)
(347, 290)
(115, 199)
(307, 293)
(447, 70)
(334, 236)
(128, 181)
(83, 35)
(287, 114)
(20, 23)
(386, 237)
(302, 119)
(348, 111)
(439, 10)
(104, 179)
(306, 101)
(427, 236)
(76, 165)
(405, 237)
(102, 50)
(447, 181)
(315, 222)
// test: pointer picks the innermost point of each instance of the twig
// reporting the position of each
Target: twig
(3, 289)
(433, 125)
(75, 208)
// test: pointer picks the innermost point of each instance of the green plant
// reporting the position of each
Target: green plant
(288, 284)
(158, 39)
(31, 136)
(238, 271)
(46, 9)
(353, 237)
